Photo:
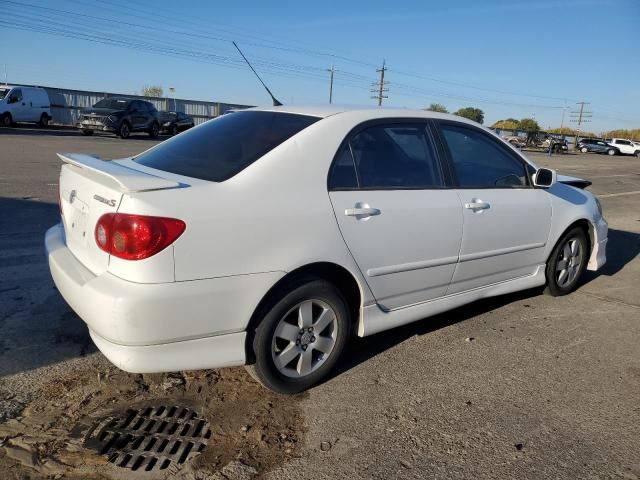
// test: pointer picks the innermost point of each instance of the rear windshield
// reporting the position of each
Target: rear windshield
(221, 148)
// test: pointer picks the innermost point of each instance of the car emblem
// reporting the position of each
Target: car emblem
(72, 196)
(111, 203)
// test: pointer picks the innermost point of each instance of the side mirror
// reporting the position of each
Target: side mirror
(545, 178)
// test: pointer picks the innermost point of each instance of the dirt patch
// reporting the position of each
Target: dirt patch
(252, 430)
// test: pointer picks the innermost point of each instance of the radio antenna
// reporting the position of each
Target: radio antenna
(276, 103)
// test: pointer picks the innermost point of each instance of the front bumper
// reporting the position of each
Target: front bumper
(159, 327)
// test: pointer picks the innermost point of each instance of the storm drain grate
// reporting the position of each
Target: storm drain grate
(151, 438)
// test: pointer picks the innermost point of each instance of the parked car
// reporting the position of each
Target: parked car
(626, 147)
(270, 236)
(596, 146)
(175, 122)
(539, 140)
(24, 104)
(121, 116)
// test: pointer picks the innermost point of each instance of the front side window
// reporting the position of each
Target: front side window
(480, 162)
(221, 148)
(16, 95)
(395, 156)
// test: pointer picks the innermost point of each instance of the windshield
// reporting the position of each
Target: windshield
(3, 92)
(221, 148)
(113, 103)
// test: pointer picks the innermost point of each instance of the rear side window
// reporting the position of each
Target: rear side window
(480, 162)
(387, 157)
(221, 148)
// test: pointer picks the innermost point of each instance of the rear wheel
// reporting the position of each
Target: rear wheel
(6, 120)
(154, 131)
(44, 120)
(124, 131)
(567, 263)
(637, 153)
(300, 337)
(87, 132)
(611, 152)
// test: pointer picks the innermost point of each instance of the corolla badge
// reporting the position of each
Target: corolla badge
(111, 202)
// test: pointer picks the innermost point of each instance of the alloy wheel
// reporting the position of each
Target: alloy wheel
(569, 262)
(304, 338)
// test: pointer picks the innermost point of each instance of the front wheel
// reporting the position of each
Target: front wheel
(301, 337)
(87, 133)
(611, 152)
(637, 153)
(584, 150)
(124, 131)
(6, 120)
(154, 131)
(567, 263)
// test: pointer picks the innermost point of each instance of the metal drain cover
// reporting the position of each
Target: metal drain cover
(151, 438)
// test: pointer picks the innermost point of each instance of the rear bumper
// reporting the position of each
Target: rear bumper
(599, 251)
(164, 326)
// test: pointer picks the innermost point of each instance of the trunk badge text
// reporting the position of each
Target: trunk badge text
(111, 203)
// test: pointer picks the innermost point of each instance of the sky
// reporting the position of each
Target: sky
(515, 58)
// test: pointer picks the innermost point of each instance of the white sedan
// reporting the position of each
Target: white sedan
(268, 237)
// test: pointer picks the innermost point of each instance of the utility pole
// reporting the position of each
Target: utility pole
(379, 88)
(581, 116)
(332, 70)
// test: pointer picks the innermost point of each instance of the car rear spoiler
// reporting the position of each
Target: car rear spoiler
(574, 181)
(127, 180)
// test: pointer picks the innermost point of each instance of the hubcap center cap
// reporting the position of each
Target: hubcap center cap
(305, 338)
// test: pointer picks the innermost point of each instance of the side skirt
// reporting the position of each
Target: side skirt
(375, 320)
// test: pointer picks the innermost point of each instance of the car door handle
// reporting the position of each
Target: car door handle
(361, 211)
(477, 205)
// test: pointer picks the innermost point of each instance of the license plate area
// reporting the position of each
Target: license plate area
(76, 220)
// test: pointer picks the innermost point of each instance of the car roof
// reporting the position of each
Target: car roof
(372, 112)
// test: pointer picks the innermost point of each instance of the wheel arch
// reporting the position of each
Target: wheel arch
(585, 225)
(341, 277)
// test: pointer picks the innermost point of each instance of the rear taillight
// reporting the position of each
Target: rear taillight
(135, 237)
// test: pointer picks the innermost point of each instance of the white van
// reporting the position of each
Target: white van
(24, 104)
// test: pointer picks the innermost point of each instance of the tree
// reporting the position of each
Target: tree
(437, 107)
(528, 125)
(471, 113)
(152, 91)
(508, 124)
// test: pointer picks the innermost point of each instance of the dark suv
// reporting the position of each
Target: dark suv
(596, 146)
(121, 116)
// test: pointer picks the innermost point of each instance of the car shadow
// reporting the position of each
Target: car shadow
(622, 248)
(53, 131)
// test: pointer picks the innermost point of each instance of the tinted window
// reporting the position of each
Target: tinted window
(343, 171)
(113, 103)
(395, 156)
(220, 148)
(480, 162)
(16, 94)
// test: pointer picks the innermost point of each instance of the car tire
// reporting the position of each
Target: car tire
(637, 153)
(6, 120)
(301, 335)
(87, 133)
(173, 130)
(124, 130)
(611, 152)
(44, 120)
(567, 263)
(584, 149)
(154, 131)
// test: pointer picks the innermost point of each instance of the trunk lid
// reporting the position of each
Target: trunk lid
(89, 188)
